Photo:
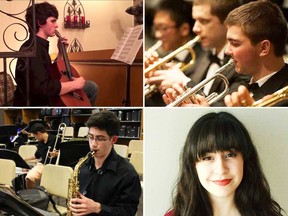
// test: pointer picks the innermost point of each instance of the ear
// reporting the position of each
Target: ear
(185, 29)
(265, 47)
(114, 139)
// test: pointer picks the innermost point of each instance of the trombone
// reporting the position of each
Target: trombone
(190, 93)
(276, 97)
(150, 89)
(60, 135)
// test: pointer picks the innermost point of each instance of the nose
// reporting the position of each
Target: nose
(158, 34)
(196, 28)
(220, 166)
(228, 50)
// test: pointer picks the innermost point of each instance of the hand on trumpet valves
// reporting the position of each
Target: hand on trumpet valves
(166, 78)
(241, 97)
(178, 89)
(150, 58)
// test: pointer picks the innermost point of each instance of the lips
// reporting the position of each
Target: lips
(223, 182)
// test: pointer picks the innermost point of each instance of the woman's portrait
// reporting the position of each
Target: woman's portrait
(215, 162)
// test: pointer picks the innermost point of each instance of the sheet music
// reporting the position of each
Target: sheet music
(129, 45)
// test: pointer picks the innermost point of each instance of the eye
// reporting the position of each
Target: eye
(230, 154)
(207, 158)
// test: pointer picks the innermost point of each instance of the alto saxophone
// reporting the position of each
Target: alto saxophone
(74, 183)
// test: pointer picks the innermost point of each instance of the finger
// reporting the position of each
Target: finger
(179, 88)
(171, 94)
(166, 99)
(228, 101)
(202, 100)
(244, 96)
(235, 99)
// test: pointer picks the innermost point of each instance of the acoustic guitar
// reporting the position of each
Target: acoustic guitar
(63, 71)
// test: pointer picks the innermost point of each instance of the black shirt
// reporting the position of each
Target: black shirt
(116, 185)
(41, 85)
(42, 149)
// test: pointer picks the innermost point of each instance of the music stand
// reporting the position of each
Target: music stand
(12, 155)
(10, 203)
(72, 151)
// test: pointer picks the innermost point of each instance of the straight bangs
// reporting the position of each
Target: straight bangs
(217, 135)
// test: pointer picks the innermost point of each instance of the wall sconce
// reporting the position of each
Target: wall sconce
(74, 15)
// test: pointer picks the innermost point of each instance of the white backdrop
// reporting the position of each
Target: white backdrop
(165, 133)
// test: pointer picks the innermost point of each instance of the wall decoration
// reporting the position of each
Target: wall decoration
(74, 15)
(75, 46)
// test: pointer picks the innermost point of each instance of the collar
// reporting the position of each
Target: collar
(221, 54)
(42, 41)
(110, 162)
(261, 81)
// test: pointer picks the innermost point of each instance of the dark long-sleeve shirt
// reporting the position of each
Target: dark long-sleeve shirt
(116, 185)
(41, 85)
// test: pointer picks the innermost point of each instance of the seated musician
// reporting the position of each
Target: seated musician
(209, 25)
(257, 45)
(45, 142)
(172, 26)
(41, 86)
(109, 184)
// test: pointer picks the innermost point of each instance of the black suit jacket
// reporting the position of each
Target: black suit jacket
(199, 70)
(274, 83)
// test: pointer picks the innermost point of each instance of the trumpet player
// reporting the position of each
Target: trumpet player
(109, 184)
(45, 142)
(256, 51)
(209, 16)
(257, 34)
(172, 28)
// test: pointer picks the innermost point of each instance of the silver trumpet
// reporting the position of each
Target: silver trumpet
(190, 93)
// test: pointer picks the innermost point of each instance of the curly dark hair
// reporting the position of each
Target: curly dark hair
(221, 132)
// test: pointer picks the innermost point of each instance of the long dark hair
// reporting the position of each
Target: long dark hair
(221, 132)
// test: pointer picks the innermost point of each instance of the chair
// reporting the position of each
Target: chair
(26, 151)
(8, 171)
(55, 179)
(82, 132)
(122, 150)
(135, 145)
(136, 160)
(69, 133)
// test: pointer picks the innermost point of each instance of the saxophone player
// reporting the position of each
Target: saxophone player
(108, 183)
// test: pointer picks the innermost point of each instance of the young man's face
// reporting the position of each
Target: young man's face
(100, 142)
(48, 29)
(211, 31)
(38, 136)
(242, 51)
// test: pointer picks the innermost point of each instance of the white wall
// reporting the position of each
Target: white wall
(165, 133)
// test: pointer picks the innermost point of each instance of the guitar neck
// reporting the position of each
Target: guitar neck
(65, 56)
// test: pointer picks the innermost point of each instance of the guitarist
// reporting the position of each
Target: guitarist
(41, 86)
